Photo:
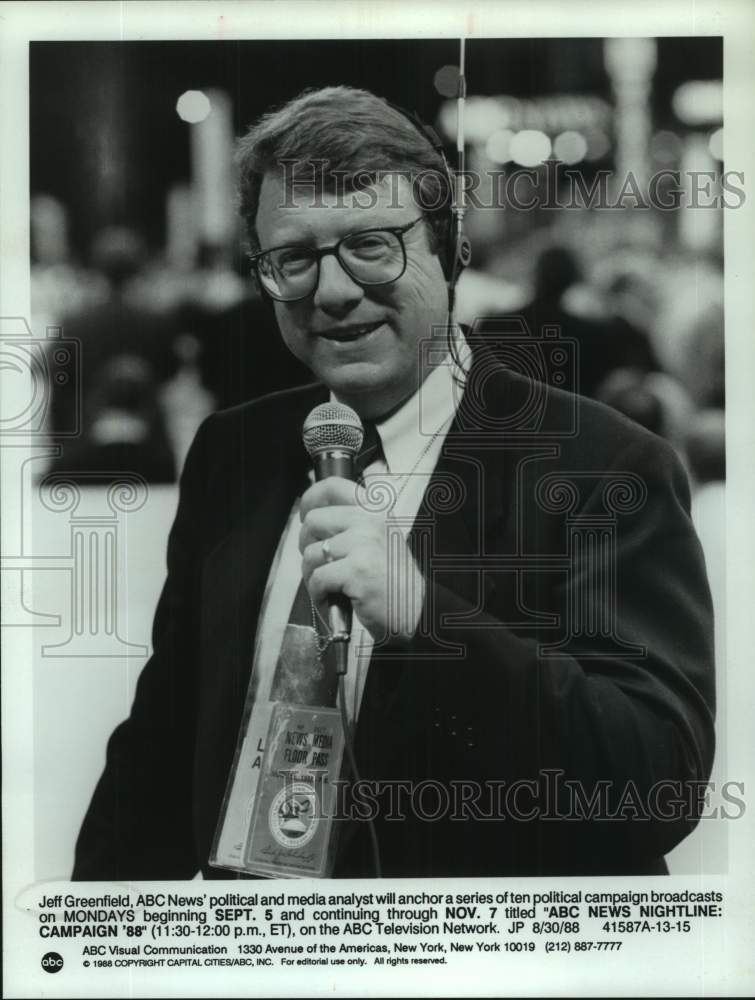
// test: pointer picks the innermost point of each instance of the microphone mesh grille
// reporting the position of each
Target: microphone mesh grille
(332, 426)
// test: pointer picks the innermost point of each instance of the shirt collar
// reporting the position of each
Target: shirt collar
(408, 432)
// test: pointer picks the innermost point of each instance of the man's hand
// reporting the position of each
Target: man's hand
(364, 558)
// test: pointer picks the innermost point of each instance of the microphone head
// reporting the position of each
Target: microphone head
(332, 427)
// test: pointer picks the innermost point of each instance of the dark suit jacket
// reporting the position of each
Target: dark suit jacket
(565, 653)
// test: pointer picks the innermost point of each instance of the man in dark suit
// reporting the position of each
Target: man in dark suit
(540, 699)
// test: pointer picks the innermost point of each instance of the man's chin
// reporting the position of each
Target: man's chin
(370, 397)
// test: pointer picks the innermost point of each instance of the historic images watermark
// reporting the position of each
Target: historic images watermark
(549, 796)
(552, 186)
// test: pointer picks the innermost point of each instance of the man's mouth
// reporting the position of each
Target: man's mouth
(347, 334)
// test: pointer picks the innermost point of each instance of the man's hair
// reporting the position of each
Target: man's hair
(344, 139)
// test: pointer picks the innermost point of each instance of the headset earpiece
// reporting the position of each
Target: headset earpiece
(462, 256)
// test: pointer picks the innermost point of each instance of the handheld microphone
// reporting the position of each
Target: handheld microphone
(333, 435)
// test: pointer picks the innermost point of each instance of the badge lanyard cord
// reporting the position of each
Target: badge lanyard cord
(459, 209)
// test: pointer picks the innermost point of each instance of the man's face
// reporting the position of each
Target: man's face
(362, 342)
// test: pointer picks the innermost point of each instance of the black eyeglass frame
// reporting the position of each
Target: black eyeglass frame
(319, 252)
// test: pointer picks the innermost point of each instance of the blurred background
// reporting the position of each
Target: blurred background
(137, 255)
(137, 251)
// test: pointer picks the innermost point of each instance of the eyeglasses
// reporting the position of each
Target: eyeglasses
(369, 257)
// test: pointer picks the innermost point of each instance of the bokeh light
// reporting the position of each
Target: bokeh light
(498, 146)
(530, 147)
(446, 81)
(570, 147)
(699, 102)
(666, 147)
(716, 144)
(193, 106)
(598, 144)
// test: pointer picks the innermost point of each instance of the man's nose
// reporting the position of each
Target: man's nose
(336, 291)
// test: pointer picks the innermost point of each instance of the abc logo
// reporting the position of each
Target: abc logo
(52, 962)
